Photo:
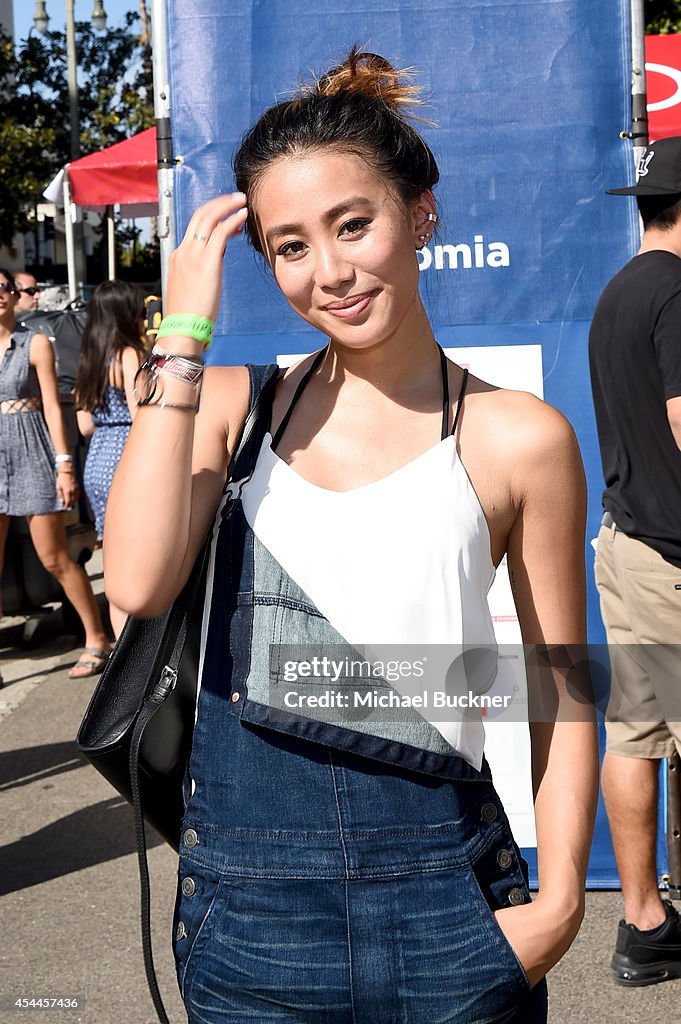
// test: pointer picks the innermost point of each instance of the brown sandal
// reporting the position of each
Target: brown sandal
(92, 660)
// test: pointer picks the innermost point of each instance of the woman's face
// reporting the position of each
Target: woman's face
(341, 245)
(7, 299)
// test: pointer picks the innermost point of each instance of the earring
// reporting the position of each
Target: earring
(422, 238)
(432, 217)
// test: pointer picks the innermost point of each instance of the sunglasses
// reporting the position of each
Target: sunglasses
(29, 291)
(4, 287)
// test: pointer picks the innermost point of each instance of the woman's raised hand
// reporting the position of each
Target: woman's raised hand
(195, 267)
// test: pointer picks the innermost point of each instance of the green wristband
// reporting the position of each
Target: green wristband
(185, 325)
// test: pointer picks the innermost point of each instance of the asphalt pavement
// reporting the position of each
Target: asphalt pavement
(69, 885)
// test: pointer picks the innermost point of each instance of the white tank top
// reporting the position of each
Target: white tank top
(404, 560)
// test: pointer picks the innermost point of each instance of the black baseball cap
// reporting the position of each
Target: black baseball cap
(658, 172)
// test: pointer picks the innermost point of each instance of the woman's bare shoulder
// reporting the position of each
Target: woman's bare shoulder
(130, 357)
(518, 448)
(40, 345)
(516, 418)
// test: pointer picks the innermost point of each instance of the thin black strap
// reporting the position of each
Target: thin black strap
(317, 360)
(445, 395)
(459, 400)
(145, 714)
(298, 392)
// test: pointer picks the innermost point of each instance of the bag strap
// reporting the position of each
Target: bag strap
(262, 383)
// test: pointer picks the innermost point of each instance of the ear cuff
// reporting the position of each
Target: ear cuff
(433, 219)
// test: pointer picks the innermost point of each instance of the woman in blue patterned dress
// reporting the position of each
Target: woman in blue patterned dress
(34, 481)
(110, 355)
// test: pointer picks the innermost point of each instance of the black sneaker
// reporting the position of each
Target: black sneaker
(646, 958)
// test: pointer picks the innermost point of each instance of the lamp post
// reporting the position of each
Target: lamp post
(41, 21)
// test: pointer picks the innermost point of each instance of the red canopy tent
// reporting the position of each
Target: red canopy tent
(125, 175)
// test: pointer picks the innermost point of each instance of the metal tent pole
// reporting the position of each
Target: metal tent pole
(69, 237)
(110, 243)
(639, 110)
(166, 208)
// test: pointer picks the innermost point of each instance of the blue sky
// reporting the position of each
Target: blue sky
(24, 9)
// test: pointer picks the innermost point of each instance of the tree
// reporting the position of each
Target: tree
(116, 100)
(662, 16)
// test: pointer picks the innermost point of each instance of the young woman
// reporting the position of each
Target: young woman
(110, 356)
(342, 865)
(36, 482)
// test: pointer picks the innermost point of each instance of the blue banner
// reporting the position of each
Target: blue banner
(528, 99)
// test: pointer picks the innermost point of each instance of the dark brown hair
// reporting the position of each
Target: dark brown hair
(112, 325)
(359, 107)
(659, 212)
(10, 277)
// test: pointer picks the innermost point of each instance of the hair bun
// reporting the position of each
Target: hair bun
(373, 76)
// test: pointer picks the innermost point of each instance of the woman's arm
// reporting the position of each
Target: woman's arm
(170, 477)
(42, 359)
(86, 424)
(546, 564)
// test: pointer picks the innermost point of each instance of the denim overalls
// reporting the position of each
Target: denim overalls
(319, 883)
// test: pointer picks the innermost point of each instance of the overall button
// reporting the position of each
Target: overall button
(191, 837)
(188, 886)
(488, 812)
(236, 696)
(515, 897)
(181, 931)
(504, 859)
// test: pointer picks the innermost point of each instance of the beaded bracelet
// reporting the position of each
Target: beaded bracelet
(186, 325)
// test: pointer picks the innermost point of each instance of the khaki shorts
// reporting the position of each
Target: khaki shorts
(640, 596)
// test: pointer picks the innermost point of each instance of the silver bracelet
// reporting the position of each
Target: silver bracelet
(152, 395)
(188, 368)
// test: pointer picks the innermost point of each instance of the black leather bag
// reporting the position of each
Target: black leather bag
(145, 700)
(137, 731)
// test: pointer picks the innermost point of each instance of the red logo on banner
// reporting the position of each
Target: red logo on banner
(663, 83)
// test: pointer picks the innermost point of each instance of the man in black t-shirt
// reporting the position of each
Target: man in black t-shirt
(635, 359)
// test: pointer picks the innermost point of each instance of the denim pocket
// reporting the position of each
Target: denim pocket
(198, 891)
(499, 883)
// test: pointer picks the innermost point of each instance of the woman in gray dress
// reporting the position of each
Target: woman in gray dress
(34, 481)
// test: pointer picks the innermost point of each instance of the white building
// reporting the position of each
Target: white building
(6, 17)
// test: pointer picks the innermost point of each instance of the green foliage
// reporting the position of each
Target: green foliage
(115, 99)
(662, 16)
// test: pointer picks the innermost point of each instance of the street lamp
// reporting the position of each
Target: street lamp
(98, 18)
(41, 20)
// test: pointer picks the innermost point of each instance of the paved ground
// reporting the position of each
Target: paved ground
(68, 873)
